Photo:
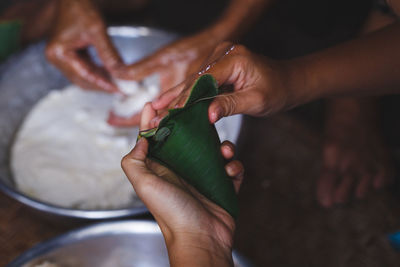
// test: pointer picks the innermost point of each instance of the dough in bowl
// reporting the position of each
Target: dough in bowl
(66, 154)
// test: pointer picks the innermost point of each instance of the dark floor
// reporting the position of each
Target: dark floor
(280, 222)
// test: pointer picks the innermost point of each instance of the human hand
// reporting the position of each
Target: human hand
(197, 231)
(355, 159)
(173, 63)
(78, 26)
(260, 86)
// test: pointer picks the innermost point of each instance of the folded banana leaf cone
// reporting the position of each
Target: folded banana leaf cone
(188, 144)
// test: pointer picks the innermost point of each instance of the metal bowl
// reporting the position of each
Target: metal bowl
(112, 244)
(27, 77)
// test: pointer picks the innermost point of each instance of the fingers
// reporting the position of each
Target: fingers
(325, 186)
(381, 178)
(363, 184)
(79, 70)
(348, 173)
(139, 70)
(148, 113)
(106, 50)
(227, 150)
(134, 164)
(235, 170)
(165, 101)
(384, 174)
(118, 121)
(343, 190)
(229, 104)
(171, 95)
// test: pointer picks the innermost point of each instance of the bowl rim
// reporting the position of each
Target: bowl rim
(98, 229)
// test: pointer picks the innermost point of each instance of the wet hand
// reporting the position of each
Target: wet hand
(259, 85)
(78, 26)
(173, 63)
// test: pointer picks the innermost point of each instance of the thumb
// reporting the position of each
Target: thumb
(107, 51)
(139, 152)
(228, 104)
(134, 164)
(139, 70)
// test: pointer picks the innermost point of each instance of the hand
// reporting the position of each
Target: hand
(173, 63)
(195, 229)
(355, 158)
(78, 26)
(259, 84)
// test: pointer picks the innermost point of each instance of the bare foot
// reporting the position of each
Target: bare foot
(354, 156)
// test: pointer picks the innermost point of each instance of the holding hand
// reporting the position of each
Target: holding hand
(260, 85)
(197, 231)
(173, 63)
(78, 26)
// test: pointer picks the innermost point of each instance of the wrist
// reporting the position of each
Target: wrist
(300, 83)
(193, 249)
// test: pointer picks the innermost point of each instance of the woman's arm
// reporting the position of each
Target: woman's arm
(369, 65)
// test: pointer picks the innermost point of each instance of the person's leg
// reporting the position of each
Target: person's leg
(355, 158)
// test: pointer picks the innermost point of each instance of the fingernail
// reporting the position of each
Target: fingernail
(229, 170)
(213, 117)
(216, 115)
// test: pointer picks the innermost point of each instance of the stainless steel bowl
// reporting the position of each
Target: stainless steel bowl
(112, 244)
(27, 77)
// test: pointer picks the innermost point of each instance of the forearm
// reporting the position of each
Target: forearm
(369, 65)
(238, 17)
(198, 251)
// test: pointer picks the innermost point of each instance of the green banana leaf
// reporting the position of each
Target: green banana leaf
(188, 144)
(9, 38)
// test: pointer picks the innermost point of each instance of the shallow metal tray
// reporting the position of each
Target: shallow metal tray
(111, 244)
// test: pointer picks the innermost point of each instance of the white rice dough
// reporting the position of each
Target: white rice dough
(136, 94)
(66, 154)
